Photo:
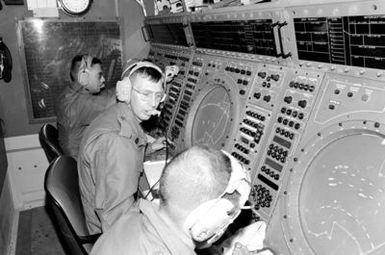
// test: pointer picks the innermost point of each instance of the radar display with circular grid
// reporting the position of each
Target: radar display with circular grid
(213, 113)
(336, 196)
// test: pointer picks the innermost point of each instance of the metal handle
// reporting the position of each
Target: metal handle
(278, 54)
(145, 34)
(280, 25)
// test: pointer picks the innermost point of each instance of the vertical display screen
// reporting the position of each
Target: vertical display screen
(244, 36)
(168, 33)
(349, 40)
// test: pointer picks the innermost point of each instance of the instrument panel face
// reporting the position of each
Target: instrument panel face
(346, 40)
(294, 103)
(210, 78)
(310, 128)
(171, 33)
(245, 36)
(333, 197)
(164, 56)
(343, 37)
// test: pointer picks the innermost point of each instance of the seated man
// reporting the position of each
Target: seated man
(112, 149)
(81, 102)
(201, 192)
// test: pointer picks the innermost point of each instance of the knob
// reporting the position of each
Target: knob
(275, 77)
(267, 98)
(262, 75)
(302, 103)
(288, 99)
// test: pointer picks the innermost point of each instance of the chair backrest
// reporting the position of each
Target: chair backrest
(48, 137)
(63, 198)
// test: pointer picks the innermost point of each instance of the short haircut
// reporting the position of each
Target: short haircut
(194, 176)
(149, 73)
(76, 62)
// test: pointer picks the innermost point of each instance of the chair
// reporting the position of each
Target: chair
(65, 206)
(48, 137)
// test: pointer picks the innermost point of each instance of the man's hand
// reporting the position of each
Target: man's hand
(158, 144)
(242, 250)
(251, 237)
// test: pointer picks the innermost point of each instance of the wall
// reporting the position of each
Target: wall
(13, 107)
(8, 220)
(23, 187)
(27, 165)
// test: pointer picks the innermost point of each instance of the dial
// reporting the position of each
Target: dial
(75, 7)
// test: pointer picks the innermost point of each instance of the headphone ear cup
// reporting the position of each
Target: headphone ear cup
(123, 90)
(84, 77)
(209, 219)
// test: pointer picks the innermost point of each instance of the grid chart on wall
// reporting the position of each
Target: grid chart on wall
(48, 47)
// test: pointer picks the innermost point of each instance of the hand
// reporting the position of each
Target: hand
(171, 71)
(242, 250)
(158, 144)
(251, 236)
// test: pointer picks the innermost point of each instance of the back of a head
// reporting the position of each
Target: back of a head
(193, 177)
(81, 63)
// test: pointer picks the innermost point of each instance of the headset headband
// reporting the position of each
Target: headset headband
(137, 65)
(86, 61)
(239, 180)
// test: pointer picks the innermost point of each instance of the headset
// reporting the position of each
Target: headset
(209, 221)
(83, 74)
(124, 86)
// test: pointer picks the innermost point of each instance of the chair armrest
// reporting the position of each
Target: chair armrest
(89, 239)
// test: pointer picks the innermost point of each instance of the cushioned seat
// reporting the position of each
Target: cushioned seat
(65, 206)
(48, 137)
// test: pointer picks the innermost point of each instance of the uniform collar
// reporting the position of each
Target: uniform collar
(77, 87)
(169, 233)
(130, 126)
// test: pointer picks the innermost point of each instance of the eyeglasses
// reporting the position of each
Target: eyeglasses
(148, 96)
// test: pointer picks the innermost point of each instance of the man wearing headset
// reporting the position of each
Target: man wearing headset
(112, 149)
(81, 102)
(202, 191)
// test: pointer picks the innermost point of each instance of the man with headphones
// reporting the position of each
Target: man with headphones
(112, 149)
(80, 102)
(202, 191)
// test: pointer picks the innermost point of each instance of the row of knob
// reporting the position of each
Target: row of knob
(247, 131)
(284, 133)
(241, 158)
(288, 122)
(241, 148)
(301, 86)
(292, 113)
(289, 99)
(237, 70)
(251, 123)
(191, 72)
(258, 95)
(256, 115)
(270, 172)
(243, 82)
(263, 75)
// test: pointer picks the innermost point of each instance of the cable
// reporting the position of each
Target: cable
(150, 191)
(164, 133)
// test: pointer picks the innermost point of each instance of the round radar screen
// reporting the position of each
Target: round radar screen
(213, 114)
(336, 197)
